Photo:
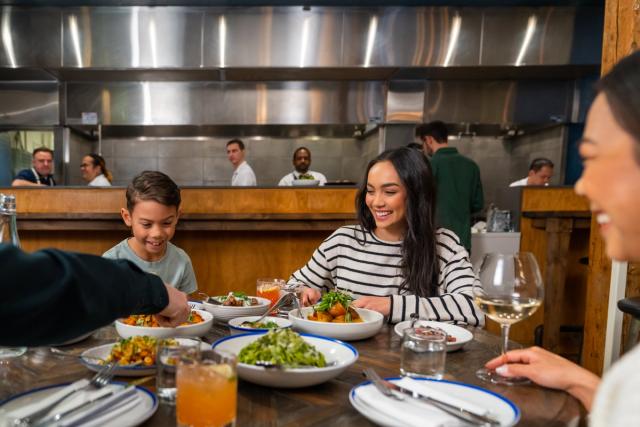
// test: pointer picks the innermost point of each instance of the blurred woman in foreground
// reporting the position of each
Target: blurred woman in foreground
(610, 149)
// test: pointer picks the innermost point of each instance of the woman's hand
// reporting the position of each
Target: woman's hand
(549, 370)
(310, 296)
(380, 304)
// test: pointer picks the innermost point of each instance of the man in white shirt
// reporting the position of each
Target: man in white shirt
(243, 175)
(301, 163)
(540, 173)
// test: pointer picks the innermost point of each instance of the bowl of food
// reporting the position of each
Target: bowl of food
(197, 325)
(135, 356)
(283, 358)
(235, 304)
(335, 317)
(305, 182)
(242, 325)
(457, 337)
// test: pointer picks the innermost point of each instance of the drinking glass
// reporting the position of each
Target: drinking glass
(423, 353)
(269, 289)
(207, 390)
(509, 290)
(169, 352)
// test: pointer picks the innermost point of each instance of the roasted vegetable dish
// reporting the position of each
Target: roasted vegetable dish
(237, 299)
(335, 307)
(150, 321)
(138, 350)
(282, 347)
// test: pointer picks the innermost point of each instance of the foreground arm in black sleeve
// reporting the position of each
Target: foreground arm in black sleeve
(51, 296)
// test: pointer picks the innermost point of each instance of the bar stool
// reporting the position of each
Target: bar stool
(631, 306)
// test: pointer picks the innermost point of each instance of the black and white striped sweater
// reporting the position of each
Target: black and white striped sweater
(361, 264)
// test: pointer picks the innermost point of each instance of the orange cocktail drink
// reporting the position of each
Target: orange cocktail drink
(207, 392)
(269, 289)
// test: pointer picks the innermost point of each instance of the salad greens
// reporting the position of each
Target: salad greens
(260, 325)
(282, 347)
(236, 295)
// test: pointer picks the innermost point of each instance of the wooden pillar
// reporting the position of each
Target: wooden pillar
(621, 37)
(558, 238)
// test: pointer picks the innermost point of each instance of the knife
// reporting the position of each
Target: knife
(388, 388)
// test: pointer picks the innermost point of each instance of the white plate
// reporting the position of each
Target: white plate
(102, 351)
(224, 313)
(134, 417)
(503, 409)
(341, 355)
(371, 325)
(235, 328)
(462, 335)
(195, 330)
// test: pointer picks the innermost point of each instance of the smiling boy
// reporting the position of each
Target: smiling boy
(152, 212)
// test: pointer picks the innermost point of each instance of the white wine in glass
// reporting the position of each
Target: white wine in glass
(509, 290)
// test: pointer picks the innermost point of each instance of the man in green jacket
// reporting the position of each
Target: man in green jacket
(459, 189)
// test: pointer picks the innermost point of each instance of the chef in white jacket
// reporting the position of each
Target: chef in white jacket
(243, 175)
(301, 163)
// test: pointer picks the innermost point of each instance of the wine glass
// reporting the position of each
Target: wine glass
(509, 290)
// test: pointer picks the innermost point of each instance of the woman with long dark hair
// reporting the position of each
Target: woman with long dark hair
(94, 171)
(395, 261)
(610, 149)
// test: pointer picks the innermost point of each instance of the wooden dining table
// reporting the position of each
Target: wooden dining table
(322, 405)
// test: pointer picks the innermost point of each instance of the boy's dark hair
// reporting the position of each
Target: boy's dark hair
(42, 150)
(236, 141)
(539, 163)
(153, 185)
(436, 129)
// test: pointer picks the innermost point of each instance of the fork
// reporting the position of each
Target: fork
(99, 380)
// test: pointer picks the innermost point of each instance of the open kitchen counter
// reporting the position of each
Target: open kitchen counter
(233, 236)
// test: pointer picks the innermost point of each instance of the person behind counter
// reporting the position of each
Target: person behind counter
(243, 175)
(610, 149)
(51, 296)
(395, 261)
(42, 171)
(153, 208)
(457, 178)
(94, 171)
(540, 173)
(301, 164)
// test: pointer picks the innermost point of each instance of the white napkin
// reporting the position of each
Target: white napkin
(107, 409)
(407, 413)
(26, 410)
(423, 388)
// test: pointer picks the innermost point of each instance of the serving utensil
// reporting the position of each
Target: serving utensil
(396, 392)
(270, 365)
(277, 305)
(206, 298)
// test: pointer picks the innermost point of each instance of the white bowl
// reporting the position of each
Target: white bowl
(338, 354)
(196, 330)
(235, 328)
(305, 183)
(462, 335)
(371, 325)
(224, 313)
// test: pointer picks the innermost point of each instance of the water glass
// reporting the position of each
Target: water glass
(207, 390)
(169, 352)
(269, 289)
(423, 353)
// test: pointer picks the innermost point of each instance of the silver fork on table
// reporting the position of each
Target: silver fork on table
(98, 381)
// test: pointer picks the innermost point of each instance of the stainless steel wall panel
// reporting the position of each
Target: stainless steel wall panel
(201, 103)
(30, 37)
(272, 37)
(527, 36)
(132, 37)
(29, 103)
(405, 101)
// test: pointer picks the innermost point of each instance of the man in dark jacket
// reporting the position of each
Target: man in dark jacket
(459, 189)
(51, 296)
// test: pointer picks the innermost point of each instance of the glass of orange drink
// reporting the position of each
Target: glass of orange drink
(207, 390)
(269, 289)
